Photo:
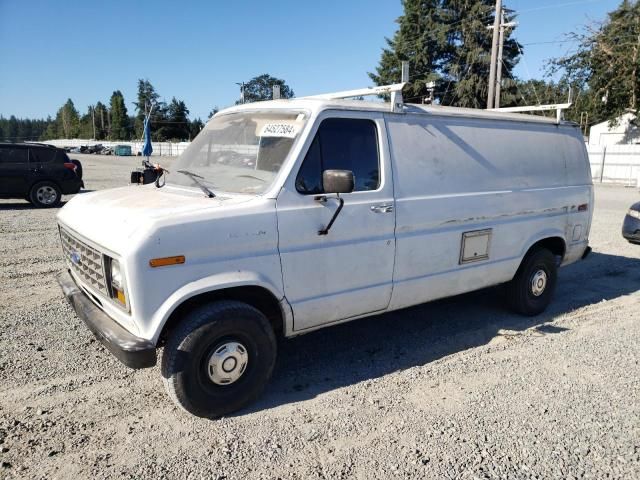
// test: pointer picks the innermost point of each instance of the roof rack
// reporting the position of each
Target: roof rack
(558, 107)
(395, 90)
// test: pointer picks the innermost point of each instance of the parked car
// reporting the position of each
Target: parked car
(631, 224)
(97, 148)
(285, 217)
(39, 173)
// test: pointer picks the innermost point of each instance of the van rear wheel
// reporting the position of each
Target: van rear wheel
(219, 359)
(531, 290)
(45, 194)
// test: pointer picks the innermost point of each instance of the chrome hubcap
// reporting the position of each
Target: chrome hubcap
(227, 363)
(538, 282)
(46, 195)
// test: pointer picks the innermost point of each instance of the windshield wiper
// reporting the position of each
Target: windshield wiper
(195, 177)
(250, 176)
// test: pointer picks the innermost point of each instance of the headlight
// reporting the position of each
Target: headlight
(116, 274)
(634, 214)
(116, 282)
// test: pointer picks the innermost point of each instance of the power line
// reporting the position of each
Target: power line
(526, 67)
(558, 5)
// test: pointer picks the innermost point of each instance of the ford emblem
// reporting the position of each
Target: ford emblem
(75, 258)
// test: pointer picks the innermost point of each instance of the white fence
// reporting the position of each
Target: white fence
(170, 149)
(615, 164)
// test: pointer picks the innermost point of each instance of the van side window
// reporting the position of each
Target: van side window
(342, 144)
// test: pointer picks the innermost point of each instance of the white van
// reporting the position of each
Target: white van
(286, 216)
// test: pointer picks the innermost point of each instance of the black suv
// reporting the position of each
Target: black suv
(39, 173)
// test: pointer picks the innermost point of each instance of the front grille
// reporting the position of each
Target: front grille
(85, 261)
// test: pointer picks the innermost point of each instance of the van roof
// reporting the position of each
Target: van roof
(319, 104)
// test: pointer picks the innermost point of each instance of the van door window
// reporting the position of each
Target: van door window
(342, 144)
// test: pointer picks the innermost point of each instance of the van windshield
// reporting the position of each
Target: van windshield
(239, 152)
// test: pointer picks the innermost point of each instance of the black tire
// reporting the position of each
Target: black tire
(523, 295)
(45, 195)
(202, 333)
(78, 167)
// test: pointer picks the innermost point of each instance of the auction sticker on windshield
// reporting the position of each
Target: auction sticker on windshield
(287, 130)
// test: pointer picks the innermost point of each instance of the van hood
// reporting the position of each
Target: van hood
(110, 218)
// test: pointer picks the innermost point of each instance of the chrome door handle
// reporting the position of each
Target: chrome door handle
(384, 208)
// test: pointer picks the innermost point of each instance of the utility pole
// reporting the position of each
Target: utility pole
(503, 26)
(496, 102)
(93, 120)
(494, 55)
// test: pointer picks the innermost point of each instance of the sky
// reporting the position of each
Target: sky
(198, 50)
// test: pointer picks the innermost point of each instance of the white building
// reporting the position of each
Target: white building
(625, 133)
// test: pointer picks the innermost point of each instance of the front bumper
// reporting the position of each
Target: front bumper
(134, 352)
(631, 229)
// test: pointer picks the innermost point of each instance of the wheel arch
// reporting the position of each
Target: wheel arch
(260, 297)
(552, 241)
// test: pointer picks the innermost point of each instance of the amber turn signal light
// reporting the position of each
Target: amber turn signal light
(164, 261)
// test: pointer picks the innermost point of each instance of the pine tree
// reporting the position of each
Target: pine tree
(120, 127)
(11, 130)
(177, 120)
(194, 128)
(422, 40)
(446, 41)
(467, 71)
(67, 121)
(148, 98)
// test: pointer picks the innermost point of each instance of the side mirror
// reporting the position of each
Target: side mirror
(338, 181)
(335, 181)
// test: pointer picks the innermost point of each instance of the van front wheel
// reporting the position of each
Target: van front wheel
(219, 358)
(531, 290)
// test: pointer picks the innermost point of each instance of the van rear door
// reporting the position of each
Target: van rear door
(349, 271)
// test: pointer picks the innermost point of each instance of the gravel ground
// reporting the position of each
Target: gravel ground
(458, 388)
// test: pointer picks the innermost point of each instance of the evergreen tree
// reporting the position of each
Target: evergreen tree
(422, 40)
(213, 111)
(261, 88)
(467, 71)
(447, 42)
(68, 121)
(11, 130)
(52, 131)
(86, 124)
(148, 98)
(120, 127)
(178, 126)
(195, 127)
(606, 64)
